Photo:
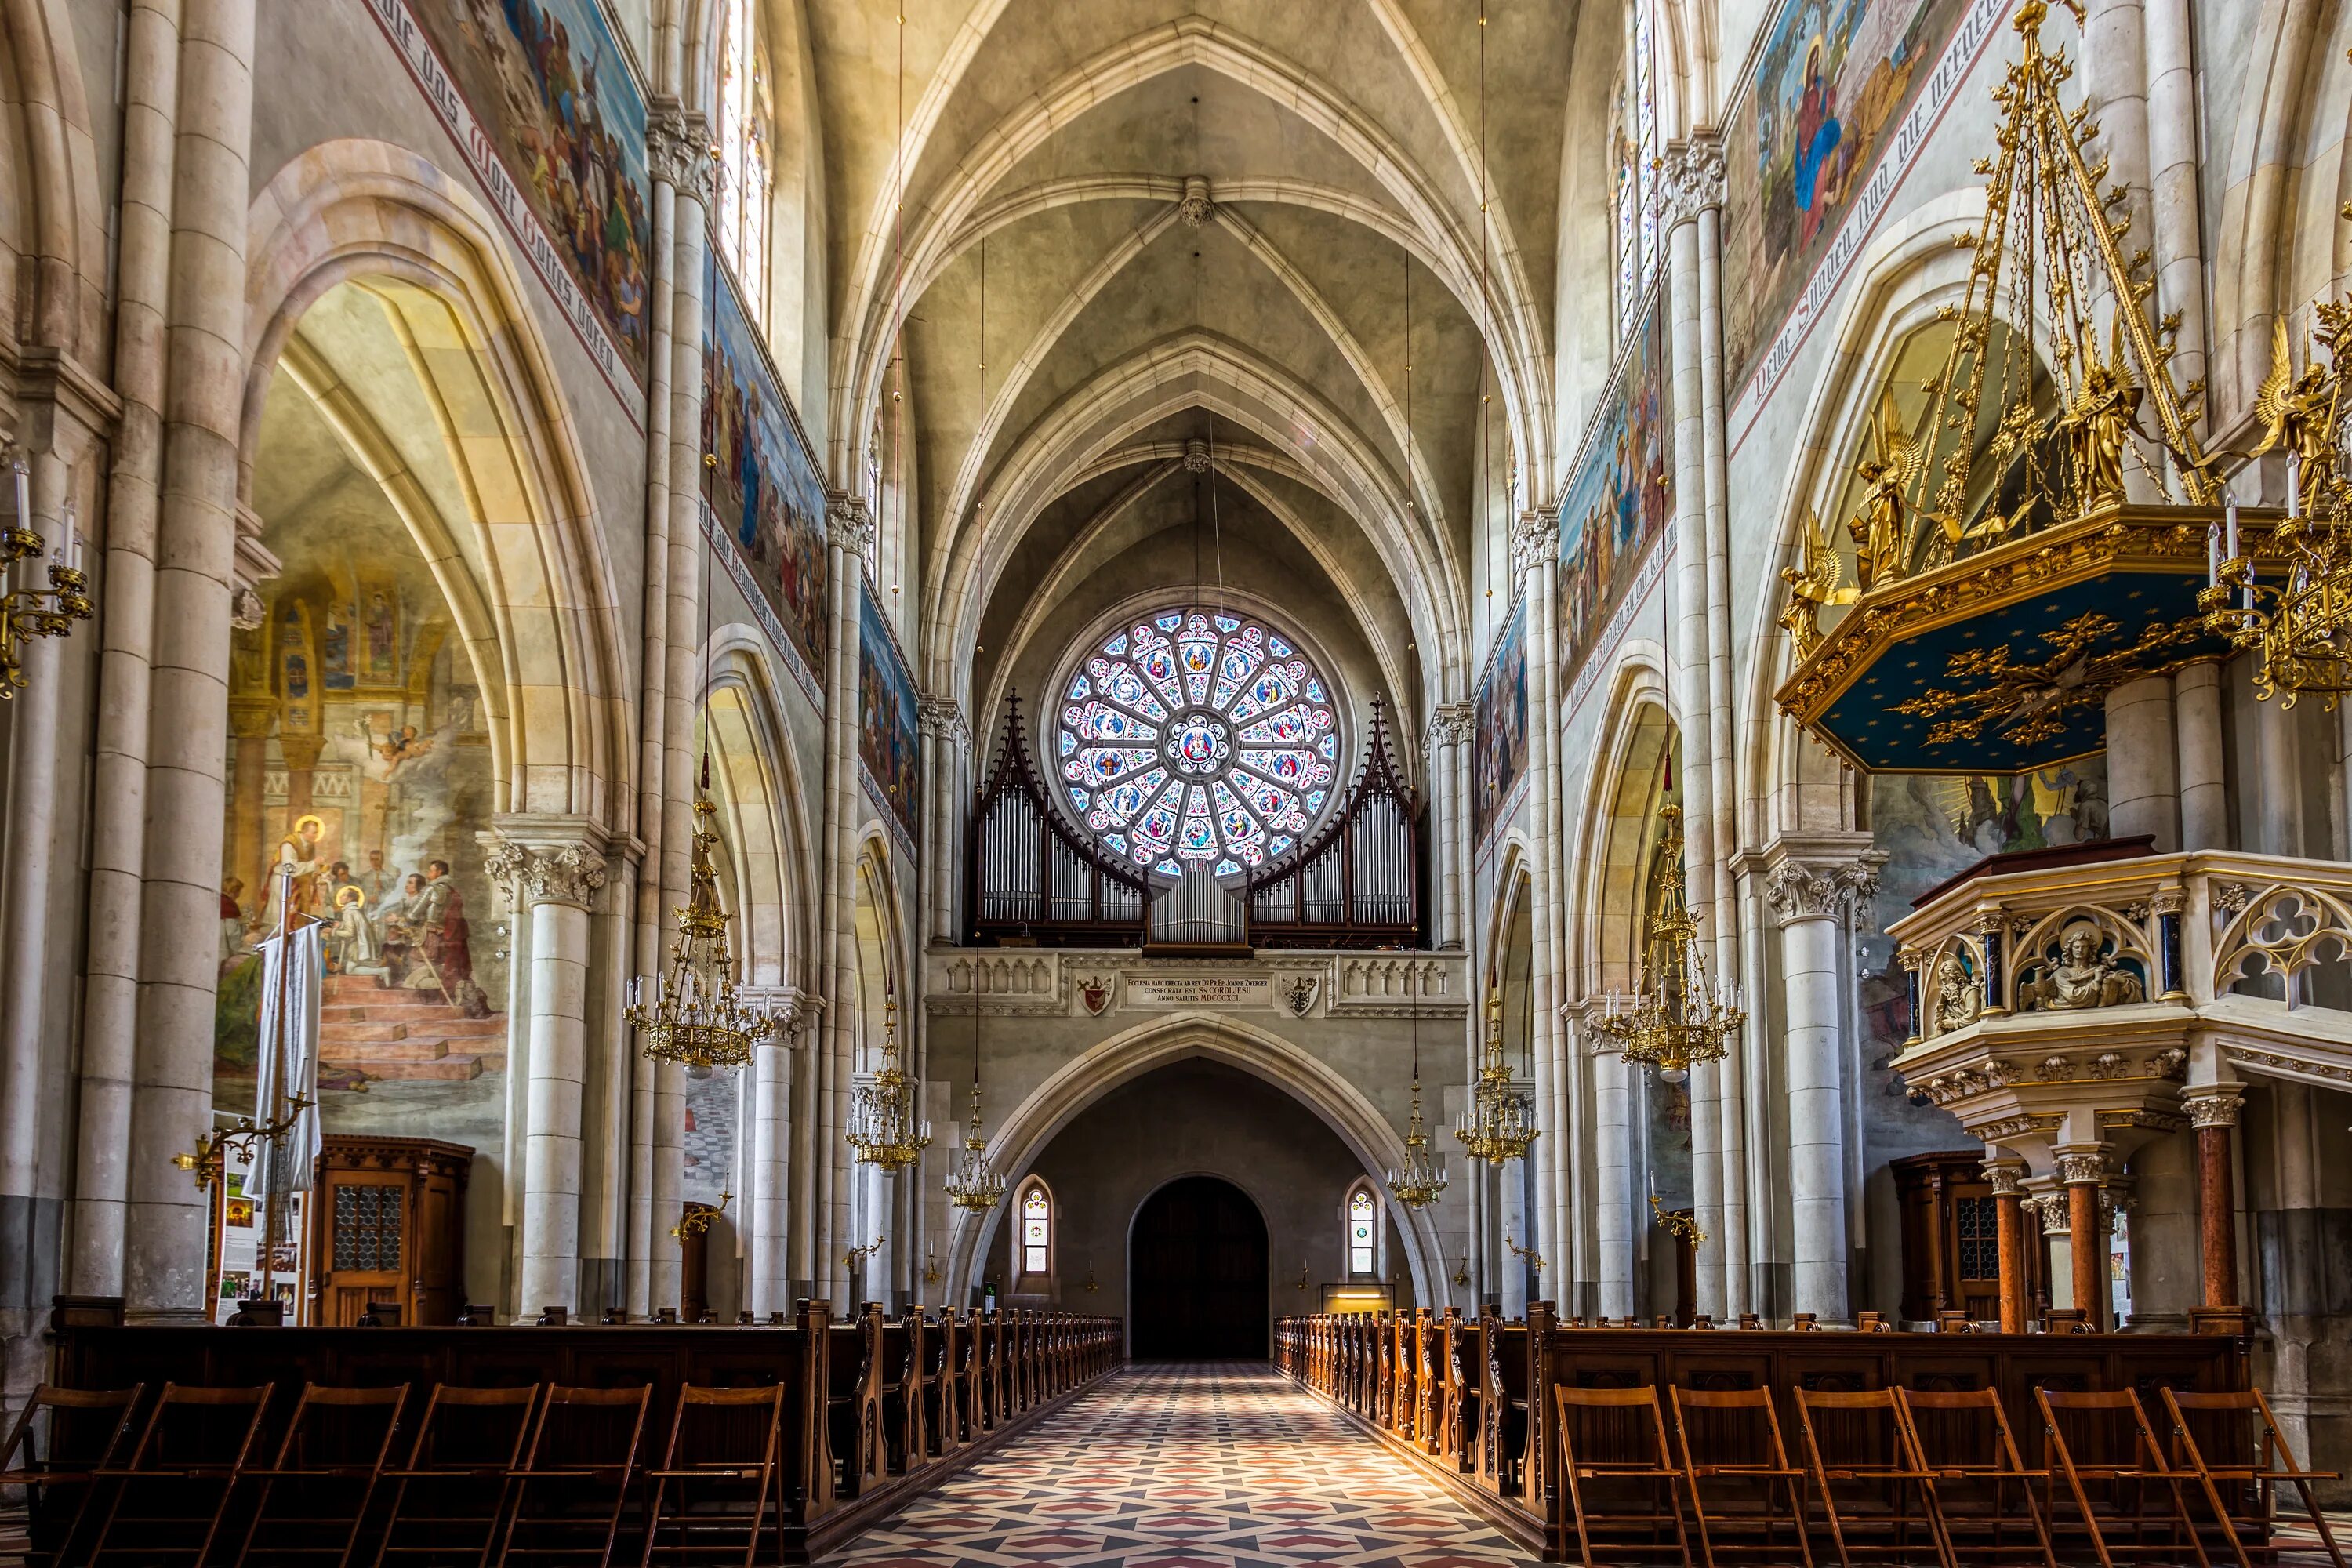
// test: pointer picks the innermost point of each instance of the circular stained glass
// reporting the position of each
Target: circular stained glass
(1198, 736)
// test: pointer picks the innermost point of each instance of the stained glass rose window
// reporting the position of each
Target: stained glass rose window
(1197, 736)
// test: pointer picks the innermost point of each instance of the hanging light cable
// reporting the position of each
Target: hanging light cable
(975, 1184)
(1421, 1179)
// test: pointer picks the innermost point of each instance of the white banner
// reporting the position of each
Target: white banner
(289, 1057)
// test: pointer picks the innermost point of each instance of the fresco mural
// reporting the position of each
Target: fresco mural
(360, 789)
(1498, 749)
(763, 492)
(1834, 79)
(889, 741)
(1616, 502)
(549, 84)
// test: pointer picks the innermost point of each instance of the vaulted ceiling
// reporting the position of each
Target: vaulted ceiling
(1199, 223)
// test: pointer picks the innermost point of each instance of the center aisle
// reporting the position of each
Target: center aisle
(1216, 1464)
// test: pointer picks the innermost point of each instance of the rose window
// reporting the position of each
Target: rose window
(1197, 736)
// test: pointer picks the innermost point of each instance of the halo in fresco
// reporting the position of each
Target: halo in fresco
(1197, 736)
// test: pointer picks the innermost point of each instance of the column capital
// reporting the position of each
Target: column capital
(846, 522)
(794, 1010)
(677, 148)
(2050, 1209)
(1819, 876)
(1535, 539)
(1452, 723)
(942, 717)
(549, 859)
(2079, 1166)
(1692, 179)
(2213, 1105)
(2007, 1176)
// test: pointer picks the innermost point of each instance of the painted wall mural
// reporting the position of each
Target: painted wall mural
(549, 85)
(359, 761)
(1834, 79)
(889, 734)
(1616, 504)
(1499, 748)
(765, 494)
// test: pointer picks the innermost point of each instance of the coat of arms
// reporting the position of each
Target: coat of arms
(1095, 992)
(1299, 995)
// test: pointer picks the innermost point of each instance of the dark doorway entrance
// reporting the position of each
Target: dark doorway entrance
(1197, 1281)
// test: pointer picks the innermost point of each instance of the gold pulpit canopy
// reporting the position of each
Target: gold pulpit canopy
(2040, 531)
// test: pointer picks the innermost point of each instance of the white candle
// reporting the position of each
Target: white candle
(2294, 484)
(72, 540)
(2212, 554)
(2230, 512)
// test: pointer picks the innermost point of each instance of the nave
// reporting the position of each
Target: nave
(1206, 1465)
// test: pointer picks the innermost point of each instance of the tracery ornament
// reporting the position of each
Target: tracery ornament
(2279, 936)
(1197, 737)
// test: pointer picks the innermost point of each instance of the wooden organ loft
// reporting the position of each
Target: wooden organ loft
(1032, 878)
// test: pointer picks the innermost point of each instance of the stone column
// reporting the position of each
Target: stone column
(1613, 1181)
(768, 1286)
(1807, 898)
(2204, 789)
(947, 745)
(2173, 117)
(2008, 1177)
(1450, 726)
(557, 867)
(2213, 1112)
(188, 689)
(848, 530)
(2083, 1168)
(2050, 1210)
(110, 1020)
(1535, 555)
(2143, 785)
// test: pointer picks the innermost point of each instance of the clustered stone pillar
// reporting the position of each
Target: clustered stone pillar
(1535, 555)
(1451, 725)
(2007, 1178)
(556, 881)
(2214, 1114)
(849, 531)
(2084, 1170)
(1810, 899)
(2143, 759)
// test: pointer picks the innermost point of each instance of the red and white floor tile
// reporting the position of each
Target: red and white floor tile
(1214, 1465)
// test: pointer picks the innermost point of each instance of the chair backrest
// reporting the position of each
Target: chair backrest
(1729, 1426)
(725, 1425)
(1955, 1427)
(1856, 1429)
(201, 1429)
(2226, 1431)
(341, 1427)
(2104, 1429)
(474, 1428)
(86, 1429)
(1611, 1426)
(582, 1426)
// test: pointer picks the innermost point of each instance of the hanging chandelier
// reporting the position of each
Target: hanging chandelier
(1417, 1183)
(974, 1183)
(1500, 1122)
(2301, 628)
(1678, 1019)
(885, 1125)
(697, 1016)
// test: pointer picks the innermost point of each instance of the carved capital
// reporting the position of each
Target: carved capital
(678, 149)
(1535, 540)
(846, 521)
(2215, 1107)
(2051, 1209)
(2007, 1176)
(2082, 1167)
(505, 864)
(1692, 179)
(554, 873)
(1807, 891)
(1452, 724)
(942, 717)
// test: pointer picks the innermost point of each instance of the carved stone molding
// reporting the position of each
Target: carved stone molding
(1194, 206)
(846, 522)
(2216, 1106)
(1692, 179)
(1535, 540)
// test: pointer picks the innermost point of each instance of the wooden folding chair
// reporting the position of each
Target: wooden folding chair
(167, 1503)
(449, 1500)
(575, 1474)
(1732, 1437)
(1963, 1441)
(2107, 1454)
(338, 1441)
(57, 1460)
(721, 1456)
(1613, 1446)
(2232, 1444)
(1859, 1452)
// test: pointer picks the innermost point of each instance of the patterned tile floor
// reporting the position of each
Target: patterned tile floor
(1213, 1466)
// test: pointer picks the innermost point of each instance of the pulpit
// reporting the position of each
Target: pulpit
(388, 1225)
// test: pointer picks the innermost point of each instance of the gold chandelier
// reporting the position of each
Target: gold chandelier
(30, 610)
(1500, 1122)
(975, 1184)
(1419, 1182)
(1676, 1019)
(885, 1125)
(2301, 628)
(697, 1016)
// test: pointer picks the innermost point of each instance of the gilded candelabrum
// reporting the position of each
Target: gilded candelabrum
(1676, 1223)
(698, 1221)
(693, 1014)
(975, 1184)
(1527, 1255)
(30, 607)
(885, 1125)
(1500, 1123)
(1677, 1020)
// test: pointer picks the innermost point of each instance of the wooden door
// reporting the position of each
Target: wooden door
(1199, 1274)
(369, 1241)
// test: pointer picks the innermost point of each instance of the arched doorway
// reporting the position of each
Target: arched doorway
(1197, 1268)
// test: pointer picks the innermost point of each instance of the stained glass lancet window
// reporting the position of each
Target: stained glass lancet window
(1197, 735)
(744, 177)
(1036, 1230)
(1636, 199)
(1361, 1218)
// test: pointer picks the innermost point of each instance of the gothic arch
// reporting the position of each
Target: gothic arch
(1620, 795)
(1361, 1126)
(762, 810)
(366, 212)
(48, 177)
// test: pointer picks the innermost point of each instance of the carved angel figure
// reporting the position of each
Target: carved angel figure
(1812, 586)
(2101, 419)
(1888, 471)
(2082, 977)
(2298, 412)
